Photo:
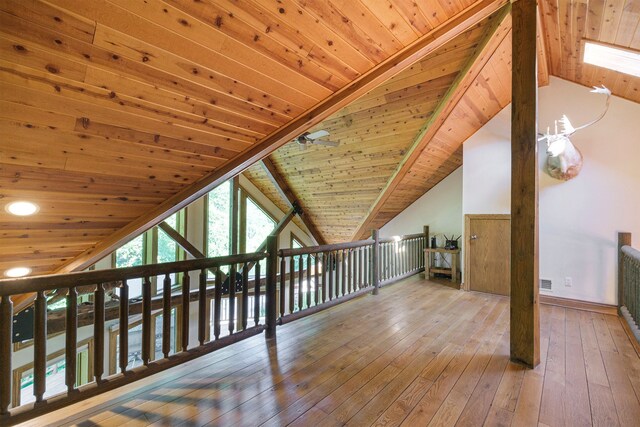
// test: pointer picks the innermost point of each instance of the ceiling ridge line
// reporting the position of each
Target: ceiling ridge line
(463, 81)
(431, 41)
(282, 185)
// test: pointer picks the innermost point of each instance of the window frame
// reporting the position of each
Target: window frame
(53, 358)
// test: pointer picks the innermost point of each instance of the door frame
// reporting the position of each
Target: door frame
(467, 242)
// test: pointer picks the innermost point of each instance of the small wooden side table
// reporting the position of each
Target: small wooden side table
(428, 261)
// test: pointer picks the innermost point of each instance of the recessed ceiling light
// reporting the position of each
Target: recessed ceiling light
(612, 57)
(17, 272)
(22, 208)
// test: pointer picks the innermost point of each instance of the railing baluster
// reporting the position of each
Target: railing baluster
(245, 295)
(292, 283)
(343, 271)
(166, 315)
(316, 284)
(308, 280)
(232, 298)
(283, 285)
(332, 271)
(6, 336)
(124, 326)
(300, 282)
(360, 255)
(98, 332)
(202, 307)
(186, 293)
(146, 322)
(352, 271)
(256, 296)
(325, 267)
(40, 346)
(217, 302)
(71, 339)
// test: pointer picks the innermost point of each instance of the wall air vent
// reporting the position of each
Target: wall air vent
(545, 284)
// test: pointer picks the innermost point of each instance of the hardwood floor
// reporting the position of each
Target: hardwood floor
(418, 354)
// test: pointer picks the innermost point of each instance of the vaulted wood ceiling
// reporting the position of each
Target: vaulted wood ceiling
(115, 111)
(567, 24)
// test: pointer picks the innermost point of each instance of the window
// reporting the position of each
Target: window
(134, 355)
(55, 374)
(218, 220)
(295, 244)
(612, 57)
(130, 255)
(259, 226)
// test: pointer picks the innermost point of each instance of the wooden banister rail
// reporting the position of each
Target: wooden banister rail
(322, 276)
(83, 278)
(176, 293)
(310, 279)
(629, 283)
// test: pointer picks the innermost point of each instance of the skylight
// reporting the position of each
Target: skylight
(623, 60)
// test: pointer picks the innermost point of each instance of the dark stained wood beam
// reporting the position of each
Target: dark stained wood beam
(495, 35)
(525, 316)
(285, 190)
(404, 58)
(180, 240)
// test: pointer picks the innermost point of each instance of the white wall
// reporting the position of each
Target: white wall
(579, 219)
(440, 209)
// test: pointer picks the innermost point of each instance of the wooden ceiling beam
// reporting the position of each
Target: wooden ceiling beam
(495, 35)
(281, 184)
(426, 44)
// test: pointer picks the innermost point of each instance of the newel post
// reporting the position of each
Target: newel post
(624, 239)
(375, 262)
(272, 277)
(6, 336)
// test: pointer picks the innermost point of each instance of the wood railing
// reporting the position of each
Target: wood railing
(629, 282)
(319, 277)
(401, 257)
(171, 295)
(215, 311)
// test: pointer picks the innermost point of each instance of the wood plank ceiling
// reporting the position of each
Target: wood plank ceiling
(338, 184)
(567, 23)
(111, 108)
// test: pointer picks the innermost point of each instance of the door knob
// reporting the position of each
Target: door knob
(474, 237)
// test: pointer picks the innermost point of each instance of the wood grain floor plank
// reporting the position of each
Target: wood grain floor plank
(417, 354)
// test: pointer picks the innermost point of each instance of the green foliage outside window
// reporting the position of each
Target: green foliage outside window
(259, 226)
(218, 227)
(131, 254)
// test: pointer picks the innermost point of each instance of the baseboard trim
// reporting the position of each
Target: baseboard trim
(579, 305)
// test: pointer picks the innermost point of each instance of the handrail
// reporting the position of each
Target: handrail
(324, 248)
(400, 238)
(82, 278)
(310, 279)
(631, 252)
(322, 276)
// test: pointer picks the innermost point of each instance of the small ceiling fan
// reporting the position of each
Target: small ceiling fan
(314, 138)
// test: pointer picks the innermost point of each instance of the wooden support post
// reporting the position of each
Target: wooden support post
(374, 261)
(525, 320)
(6, 338)
(40, 347)
(272, 277)
(624, 239)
